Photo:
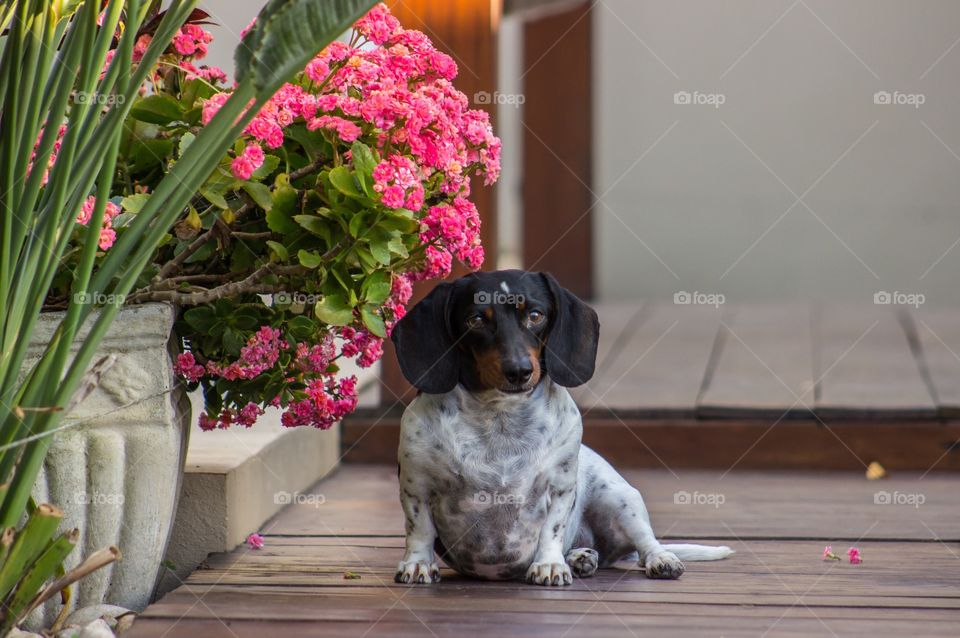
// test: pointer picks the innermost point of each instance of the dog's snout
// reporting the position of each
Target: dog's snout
(518, 371)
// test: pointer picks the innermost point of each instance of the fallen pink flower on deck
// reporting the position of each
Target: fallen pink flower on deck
(828, 554)
(855, 557)
(255, 541)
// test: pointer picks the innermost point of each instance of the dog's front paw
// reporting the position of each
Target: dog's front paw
(664, 565)
(417, 572)
(549, 574)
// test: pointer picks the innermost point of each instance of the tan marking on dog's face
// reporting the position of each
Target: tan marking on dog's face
(535, 360)
(489, 370)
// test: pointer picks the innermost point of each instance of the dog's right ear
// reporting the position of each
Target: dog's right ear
(425, 347)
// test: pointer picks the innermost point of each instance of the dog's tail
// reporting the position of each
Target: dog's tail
(686, 551)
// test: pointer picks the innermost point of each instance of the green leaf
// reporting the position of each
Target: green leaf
(376, 287)
(334, 310)
(270, 164)
(342, 180)
(200, 318)
(145, 153)
(380, 250)
(214, 196)
(301, 327)
(364, 162)
(260, 193)
(373, 321)
(363, 159)
(287, 34)
(233, 341)
(133, 203)
(397, 247)
(185, 142)
(157, 109)
(284, 205)
(356, 224)
(316, 225)
(279, 250)
(309, 259)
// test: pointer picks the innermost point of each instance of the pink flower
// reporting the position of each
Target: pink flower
(107, 234)
(140, 47)
(255, 541)
(192, 41)
(247, 162)
(828, 553)
(854, 555)
(378, 25)
(188, 368)
(345, 129)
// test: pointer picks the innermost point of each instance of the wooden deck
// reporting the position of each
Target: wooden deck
(735, 386)
(775, 585)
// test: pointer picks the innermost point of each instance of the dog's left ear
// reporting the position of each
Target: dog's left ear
(571, 349)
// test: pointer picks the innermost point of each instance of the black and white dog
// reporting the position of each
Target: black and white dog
(493, 475)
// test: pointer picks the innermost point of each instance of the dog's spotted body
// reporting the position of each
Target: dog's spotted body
(493, 475)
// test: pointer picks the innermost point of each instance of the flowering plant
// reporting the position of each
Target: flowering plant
(300, 249)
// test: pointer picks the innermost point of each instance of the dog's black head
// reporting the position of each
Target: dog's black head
(497, 331)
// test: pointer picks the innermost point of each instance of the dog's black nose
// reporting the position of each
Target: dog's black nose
(518, 372)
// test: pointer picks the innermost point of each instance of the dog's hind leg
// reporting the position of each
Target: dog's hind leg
(583, 561)
(617, 516)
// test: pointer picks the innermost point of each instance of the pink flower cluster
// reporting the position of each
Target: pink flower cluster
(107, 234)
(247, 162)
(392, 89)
(324, 399)
(192, 41)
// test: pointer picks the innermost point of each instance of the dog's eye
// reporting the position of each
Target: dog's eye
(475, 322)
(535, 317)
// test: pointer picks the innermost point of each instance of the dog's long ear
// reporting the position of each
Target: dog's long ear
(425, 348)
(571, 350)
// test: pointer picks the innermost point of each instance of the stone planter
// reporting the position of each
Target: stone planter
(117, 475)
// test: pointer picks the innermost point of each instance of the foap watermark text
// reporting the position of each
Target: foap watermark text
(712, 499)
(897, 298)
(696, 98)
(697, 298)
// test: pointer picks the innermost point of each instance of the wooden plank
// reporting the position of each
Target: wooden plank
(661, 367)
(938, 334)
(765, 366)
(795, 622)
(865, 366)
(773, 585)
(558, 147)
(363, 500)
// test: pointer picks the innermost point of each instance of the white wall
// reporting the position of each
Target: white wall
(799, 80)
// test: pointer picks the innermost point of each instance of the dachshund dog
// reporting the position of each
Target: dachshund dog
(493, 476)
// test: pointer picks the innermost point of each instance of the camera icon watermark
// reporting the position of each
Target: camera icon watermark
(898, 98)
(297, 498)
(101, 99)
(497, 298)
(914, 499)
(711, 499)
(498, 98)
(98, 299)
(696, 298)
(696, 98)
(897, 298)
(485, 499)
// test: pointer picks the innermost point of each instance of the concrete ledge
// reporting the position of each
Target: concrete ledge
(236, 480)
